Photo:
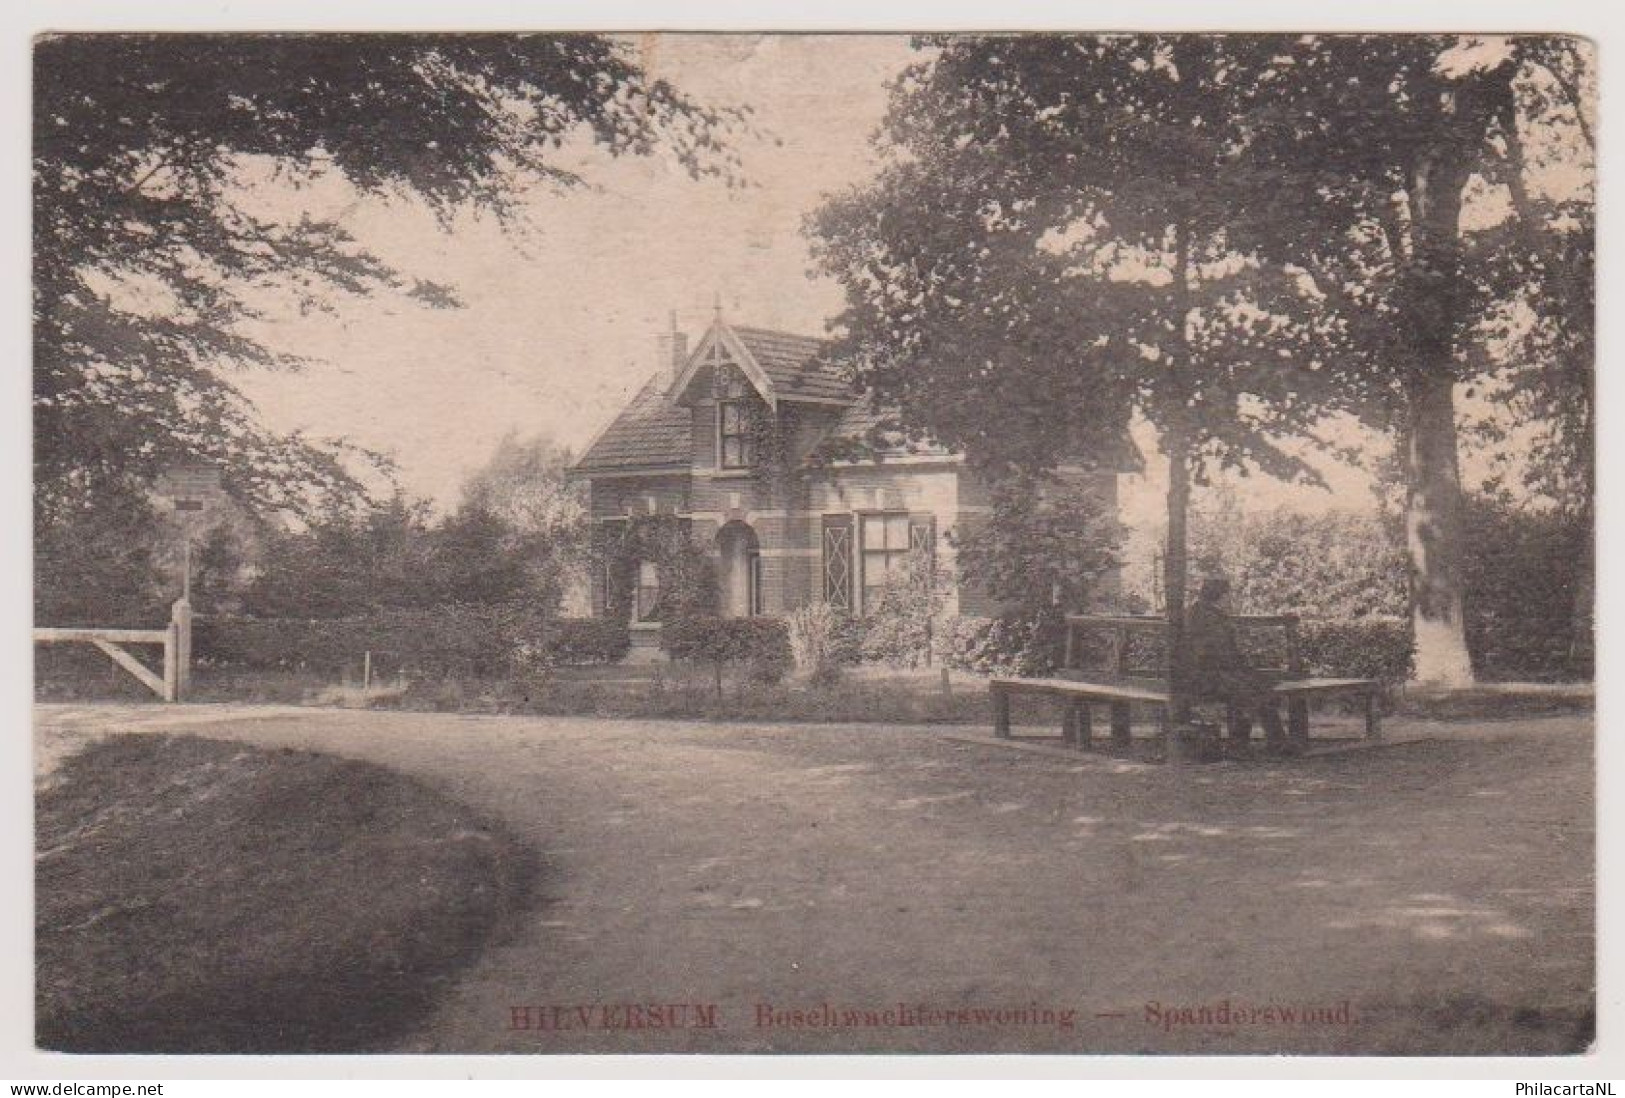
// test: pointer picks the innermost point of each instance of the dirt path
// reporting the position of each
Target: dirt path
(1441, 889)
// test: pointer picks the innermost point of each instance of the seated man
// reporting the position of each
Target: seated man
(1219, 672)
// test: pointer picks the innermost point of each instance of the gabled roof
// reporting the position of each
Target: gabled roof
(650, 432)
(792, 364)
(654, 432)
(781, 365)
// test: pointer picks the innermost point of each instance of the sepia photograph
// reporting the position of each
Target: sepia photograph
(814, 543)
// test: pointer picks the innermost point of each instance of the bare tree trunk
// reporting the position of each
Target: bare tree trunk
(1433, 533)
(1433, 303)
(1175, 571)
(1176, 561)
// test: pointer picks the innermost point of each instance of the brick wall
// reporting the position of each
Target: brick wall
(787, 515)
(617, 497)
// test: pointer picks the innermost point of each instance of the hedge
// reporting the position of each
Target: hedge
(457, 639)
(576, 642)
(1371, 648)
(763, 643)
(1367, 648)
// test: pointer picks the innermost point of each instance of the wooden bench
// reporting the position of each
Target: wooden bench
(1120, 686)
(1076, 696)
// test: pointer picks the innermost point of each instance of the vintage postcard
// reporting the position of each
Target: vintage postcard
(814, 543)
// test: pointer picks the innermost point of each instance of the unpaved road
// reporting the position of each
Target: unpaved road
(1427, 896)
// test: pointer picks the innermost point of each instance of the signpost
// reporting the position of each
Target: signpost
(191, 488)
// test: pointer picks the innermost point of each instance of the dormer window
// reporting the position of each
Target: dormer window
(736, 444)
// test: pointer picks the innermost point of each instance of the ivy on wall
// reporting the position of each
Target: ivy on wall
(688, 583)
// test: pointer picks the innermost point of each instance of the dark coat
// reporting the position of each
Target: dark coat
(1215, 663)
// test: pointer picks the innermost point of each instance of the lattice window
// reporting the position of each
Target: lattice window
(838, 561)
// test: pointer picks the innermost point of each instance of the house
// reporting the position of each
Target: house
(721, 439)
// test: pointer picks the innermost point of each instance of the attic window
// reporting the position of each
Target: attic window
(736, 447)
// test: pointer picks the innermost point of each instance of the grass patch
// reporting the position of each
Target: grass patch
(196, 896)
(1496, 701)
(675, 691)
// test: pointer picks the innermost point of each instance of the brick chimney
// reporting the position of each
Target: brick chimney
(672, 348)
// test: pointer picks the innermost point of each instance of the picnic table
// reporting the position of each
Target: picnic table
(1122, 680)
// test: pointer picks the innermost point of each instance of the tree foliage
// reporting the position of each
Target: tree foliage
(524, 488)
(1232, 235)
(1059, 240)
(1391, 143)
(148, 258)
(347, 562)
(398, 555)
(1053, 233)
(1045, 544)
(1338, 565)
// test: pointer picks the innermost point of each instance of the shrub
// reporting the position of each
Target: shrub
(822, 640)
(998, 646)
(1367, 648)
(898, 630)
(763, 643)
(578, 642)
(1527, 576)
(1340, 565)
(1048, 540)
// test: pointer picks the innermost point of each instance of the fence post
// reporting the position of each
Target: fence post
(172, 663)
(180, 631)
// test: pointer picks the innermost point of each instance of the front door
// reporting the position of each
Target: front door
(739, 571)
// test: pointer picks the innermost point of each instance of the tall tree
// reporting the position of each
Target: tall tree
(144, 146)
(524, 485)
(1051, 247)
(1392, 136)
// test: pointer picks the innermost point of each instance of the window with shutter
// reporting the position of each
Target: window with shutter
(922, 539)
(838, 561)
(922, 535)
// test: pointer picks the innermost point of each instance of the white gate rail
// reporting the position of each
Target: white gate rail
(176, 639)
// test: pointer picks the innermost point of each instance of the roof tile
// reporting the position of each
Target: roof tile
(652, 432)
(793, 365)
(649, 431)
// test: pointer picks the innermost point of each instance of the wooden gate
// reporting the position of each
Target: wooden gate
(176, 639)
